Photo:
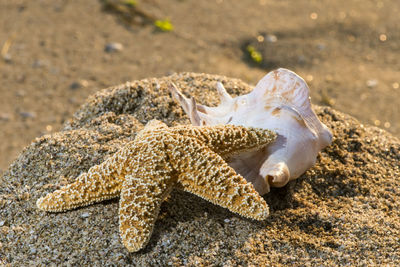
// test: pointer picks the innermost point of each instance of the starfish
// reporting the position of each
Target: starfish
(159, 159)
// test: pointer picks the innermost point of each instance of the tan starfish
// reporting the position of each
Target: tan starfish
(144, 172)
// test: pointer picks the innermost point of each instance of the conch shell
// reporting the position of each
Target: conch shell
(279, 102)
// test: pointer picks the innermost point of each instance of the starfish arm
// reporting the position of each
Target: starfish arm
(227, 140)
(100, 182)
(141, 196)
(204, 173)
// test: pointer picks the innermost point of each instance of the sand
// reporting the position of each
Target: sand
(347, 50)
(344, 210)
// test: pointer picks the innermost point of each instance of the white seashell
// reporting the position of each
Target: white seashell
(280, 102)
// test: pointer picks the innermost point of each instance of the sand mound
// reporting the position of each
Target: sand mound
(345, 210)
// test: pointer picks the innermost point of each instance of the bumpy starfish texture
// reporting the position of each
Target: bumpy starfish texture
(145, 171)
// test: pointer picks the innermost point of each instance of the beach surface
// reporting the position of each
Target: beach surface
(343, 211)
(55, 53)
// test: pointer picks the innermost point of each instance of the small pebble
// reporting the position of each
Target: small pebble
(20, 93)
(270, 38)
(227, 221)
(27, 114)
(321, 47)
(113, 47)
(4, 117)
(372, 83)
(301, 59)
(79, 84)
(7, 58)
(85, 215)
(39, 63)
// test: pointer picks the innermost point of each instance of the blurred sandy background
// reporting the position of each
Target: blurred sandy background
(56, 53)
